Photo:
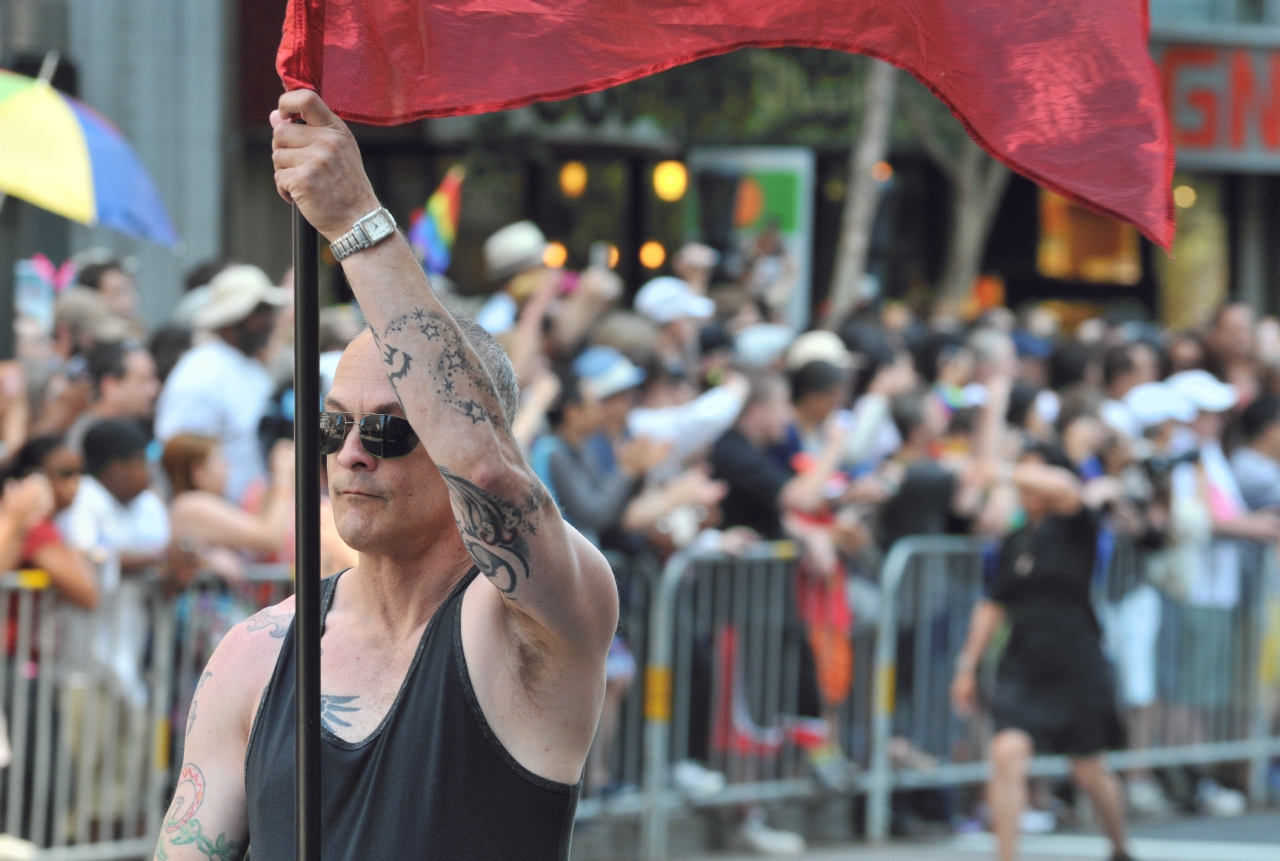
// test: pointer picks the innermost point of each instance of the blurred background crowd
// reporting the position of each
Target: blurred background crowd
(688, 417)
(859, 349)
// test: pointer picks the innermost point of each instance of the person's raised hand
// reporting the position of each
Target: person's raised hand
(27, 501)
(895, 378)
(600, 285)
(696, 487)
(13, 384)
(318, 164)
(638, 456)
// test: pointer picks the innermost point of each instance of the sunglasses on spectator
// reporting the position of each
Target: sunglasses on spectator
(383, 436)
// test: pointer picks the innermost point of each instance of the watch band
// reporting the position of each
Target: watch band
(359, 238)
(349, 243)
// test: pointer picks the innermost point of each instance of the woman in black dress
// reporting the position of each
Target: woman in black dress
(1054, 693)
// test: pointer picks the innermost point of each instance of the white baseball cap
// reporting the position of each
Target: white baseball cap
(759, 346)
(1152, 404)
(234, 293)
(667, 298)
(606, 372)
(1205, 391)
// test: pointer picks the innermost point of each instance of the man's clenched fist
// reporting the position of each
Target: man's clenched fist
(318, 164)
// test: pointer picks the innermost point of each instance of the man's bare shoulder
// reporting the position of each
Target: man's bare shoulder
(241, 666)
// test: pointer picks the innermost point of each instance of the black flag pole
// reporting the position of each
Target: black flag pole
(306, 432)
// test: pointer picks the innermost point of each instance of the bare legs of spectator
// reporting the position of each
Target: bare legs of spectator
(1095, 779)
(598, 774)
(1007, 790)
(1011, 752)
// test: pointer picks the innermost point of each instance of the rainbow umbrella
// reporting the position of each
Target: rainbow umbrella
(63, 156)
(432, 229)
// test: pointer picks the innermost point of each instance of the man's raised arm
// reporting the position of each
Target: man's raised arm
(509, 524)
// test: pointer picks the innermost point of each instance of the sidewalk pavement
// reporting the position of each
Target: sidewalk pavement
(1187, 845)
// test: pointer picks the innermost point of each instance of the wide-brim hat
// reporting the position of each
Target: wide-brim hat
(819, 346)
(514, 249)
(235, 292)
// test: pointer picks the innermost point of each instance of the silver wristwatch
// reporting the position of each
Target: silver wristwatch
(366, 233)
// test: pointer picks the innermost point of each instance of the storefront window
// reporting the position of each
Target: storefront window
(1194, 281)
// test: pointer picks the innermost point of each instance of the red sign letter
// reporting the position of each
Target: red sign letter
(1204, 100)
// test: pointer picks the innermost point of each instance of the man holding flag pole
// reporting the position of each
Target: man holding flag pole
(464, 656)
(457, 709)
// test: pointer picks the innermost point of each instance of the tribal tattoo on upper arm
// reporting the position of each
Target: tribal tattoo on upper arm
(494, 528)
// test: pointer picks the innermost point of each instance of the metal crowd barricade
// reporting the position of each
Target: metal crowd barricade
(203, 615)
(635, 576)
(1213, 701)
(95, 704)
(723, 684)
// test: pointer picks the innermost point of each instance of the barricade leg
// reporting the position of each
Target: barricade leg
(657, 717)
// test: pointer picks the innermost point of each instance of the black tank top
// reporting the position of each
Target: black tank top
(431, 782)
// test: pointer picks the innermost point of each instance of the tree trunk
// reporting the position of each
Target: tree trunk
(862, 195)
(977, 187)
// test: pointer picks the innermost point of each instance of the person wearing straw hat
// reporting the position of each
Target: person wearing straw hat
(464, 656)
(220, 388)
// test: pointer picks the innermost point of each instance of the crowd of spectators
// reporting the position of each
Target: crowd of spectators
(690, 416)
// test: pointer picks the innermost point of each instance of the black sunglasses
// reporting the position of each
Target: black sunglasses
(381, 435)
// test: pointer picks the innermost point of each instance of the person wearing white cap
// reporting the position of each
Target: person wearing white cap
(678, 311)
(1202, 567)
(1131, 613)
(220, 388)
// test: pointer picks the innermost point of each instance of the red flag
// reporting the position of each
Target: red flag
(1061, 91)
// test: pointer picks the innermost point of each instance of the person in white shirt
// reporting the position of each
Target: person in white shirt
(220, 389)
(123, 525)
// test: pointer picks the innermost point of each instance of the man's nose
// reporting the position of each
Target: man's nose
(353, 453)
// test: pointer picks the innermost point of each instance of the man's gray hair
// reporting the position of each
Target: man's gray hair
(496, 362)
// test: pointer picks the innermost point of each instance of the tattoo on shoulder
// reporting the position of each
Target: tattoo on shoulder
(494, 529)
(334, 708)
(272, 620)
(183, 828)
(195, 700)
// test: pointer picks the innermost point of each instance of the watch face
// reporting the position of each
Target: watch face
(377, 226)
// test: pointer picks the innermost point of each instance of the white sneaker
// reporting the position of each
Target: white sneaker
(695, 780)
(1216, 800)
(1146, 798)
(1035, 821)
(755, 836)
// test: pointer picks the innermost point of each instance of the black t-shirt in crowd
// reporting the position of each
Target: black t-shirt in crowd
(1044, 578)
(922, 505)
(755, 481)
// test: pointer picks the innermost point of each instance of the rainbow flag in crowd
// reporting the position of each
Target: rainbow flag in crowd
(433, 228)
